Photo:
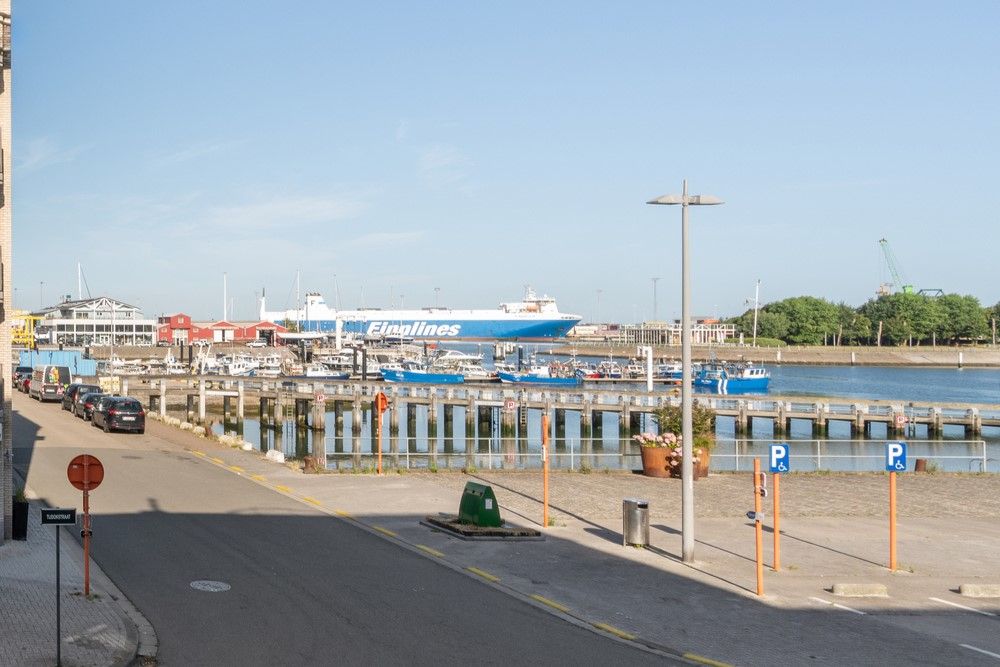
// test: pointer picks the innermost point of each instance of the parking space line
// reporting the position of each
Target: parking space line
(613, 630)
(282, 488)
(219, 461)
(197, 453)
(385, 531)
(694, 657)
(485, 575)
(980, 650)
(550, 603)
(258, 478)
(962, 606)
(236, 469)
(839, 606)
(433, 552)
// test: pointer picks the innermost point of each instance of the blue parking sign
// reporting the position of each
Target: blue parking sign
(780, 459)
(895, 456)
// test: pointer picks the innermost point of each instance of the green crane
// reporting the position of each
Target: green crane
(898, 281)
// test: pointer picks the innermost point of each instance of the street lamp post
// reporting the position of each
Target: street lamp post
(687, 435)
(655, 280)
(597, 318)
(437, 291)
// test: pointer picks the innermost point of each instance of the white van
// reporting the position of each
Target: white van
(49, 382)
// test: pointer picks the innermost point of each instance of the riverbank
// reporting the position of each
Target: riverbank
(829, 355)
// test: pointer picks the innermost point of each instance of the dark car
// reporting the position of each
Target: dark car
(119, 413)
(88, 402)
(73, 391)
(20, 373)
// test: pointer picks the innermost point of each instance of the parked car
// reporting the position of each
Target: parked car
(119, 413)
(20, 373)
(74, 390)
(85, 410)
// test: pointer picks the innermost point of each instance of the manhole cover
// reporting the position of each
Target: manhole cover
(210, 586)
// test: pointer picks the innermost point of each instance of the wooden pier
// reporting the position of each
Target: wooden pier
(307, 402)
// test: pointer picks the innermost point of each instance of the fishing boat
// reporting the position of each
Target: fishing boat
(528, 377)
(421, 376)
(732, 378)
(534, 318)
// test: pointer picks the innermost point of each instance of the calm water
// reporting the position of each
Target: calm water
(522, 449)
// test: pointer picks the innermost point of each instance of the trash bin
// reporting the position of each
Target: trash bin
(635, 522)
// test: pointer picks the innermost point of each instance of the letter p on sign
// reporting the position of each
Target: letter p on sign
(780, 458)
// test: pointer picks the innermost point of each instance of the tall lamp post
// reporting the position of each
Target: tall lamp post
(687, 435)
(655, 280)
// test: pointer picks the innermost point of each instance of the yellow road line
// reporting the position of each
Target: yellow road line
(385, 531)
(311, 500)
(219, 461)
(197, 453)
(485, 575)
(705, 661)
(236, 469)
(346, 515)
(259, 478)
(613, 630)
(282, 488)
(433, 552)
(550, 603)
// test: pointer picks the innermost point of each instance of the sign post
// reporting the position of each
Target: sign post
(85, 472)
(381, 403)
(58, 517)
(780, 462)
(895, 461)
(759, 491)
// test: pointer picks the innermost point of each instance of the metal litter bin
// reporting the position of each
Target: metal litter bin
(635, 522)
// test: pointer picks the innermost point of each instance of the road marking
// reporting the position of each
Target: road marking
(259, 478)
(346, 515)
(282, 488)
(962, 606)
(311, 500)
(385, 531)
(219, 461)
(613, 630)
(983, 651)
(433, 552)
(197, 453)
(840, 606)
(550, 603)
(485, 575)
(236, 469)
(705, 661)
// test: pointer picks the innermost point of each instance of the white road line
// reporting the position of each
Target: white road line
(840, 606)
(979, 650)
(962, 606)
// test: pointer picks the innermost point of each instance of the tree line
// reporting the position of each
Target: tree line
(890, 319)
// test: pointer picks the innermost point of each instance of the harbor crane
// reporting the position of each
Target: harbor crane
(898, 282)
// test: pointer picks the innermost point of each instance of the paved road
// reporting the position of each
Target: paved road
(305, 588)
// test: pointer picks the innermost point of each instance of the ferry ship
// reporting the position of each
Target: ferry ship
(534, 318)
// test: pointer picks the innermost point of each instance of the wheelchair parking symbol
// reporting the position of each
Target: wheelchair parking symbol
(780, 458)
(895, 456)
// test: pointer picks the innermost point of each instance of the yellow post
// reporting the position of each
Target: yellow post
(545, 470)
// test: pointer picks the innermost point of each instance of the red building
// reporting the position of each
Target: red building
(179, 329)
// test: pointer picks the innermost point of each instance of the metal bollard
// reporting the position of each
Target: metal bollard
(635, 522)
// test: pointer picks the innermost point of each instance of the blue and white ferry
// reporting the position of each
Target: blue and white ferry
(534, 318)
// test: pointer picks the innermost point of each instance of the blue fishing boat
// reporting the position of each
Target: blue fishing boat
(538, 378)
(732, 378)
(421, 376)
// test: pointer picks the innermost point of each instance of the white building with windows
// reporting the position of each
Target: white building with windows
(97, 321)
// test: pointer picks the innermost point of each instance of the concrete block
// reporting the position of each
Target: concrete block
(861, 590)
(186, 426)
(275, 455)
(980, 590)
(198, 430)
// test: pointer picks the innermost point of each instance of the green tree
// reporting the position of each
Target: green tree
(810, 320)
(906, 318)
(853, 327)
(963, 319)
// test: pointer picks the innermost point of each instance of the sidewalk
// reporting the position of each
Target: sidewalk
(99, 631)
(834, 531)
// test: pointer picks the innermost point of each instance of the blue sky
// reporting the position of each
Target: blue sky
(391, 148)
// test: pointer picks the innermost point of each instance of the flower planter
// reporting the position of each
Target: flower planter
(699, 469)
(654, 461)
(19, 523)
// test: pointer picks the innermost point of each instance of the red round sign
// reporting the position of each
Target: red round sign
(85, 472)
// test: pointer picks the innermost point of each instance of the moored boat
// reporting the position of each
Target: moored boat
(529, 377)
(732, 378)
(419, 376)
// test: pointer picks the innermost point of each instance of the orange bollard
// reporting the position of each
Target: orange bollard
(777, 521)
(545, 470)
(892, 522)
(758, 529)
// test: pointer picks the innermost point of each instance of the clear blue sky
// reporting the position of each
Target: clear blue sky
(479, 147)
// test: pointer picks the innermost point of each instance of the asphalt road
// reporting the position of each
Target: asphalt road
(306, 588)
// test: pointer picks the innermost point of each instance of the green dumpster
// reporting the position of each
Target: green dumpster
(479, 506)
